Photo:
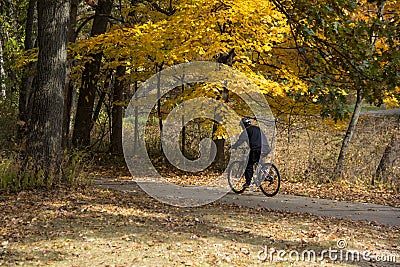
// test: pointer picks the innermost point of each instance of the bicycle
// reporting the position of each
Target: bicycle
(266, 177)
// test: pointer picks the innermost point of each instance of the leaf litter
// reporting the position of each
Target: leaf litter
(97, 227)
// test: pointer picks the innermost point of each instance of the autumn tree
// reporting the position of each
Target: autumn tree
(349, 52)
(16, 33)
(45, 126)
(117, 112)
(189, 31)
(87, 92)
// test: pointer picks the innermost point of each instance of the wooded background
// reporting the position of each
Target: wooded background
(68, 69)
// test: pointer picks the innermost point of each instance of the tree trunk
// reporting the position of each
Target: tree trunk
(69, 87)
(349, 134)
(68, 98)
(117, 108)
(159, 115)
(45, 126)
(220, 143)
(225, 58)
(183, 140)
(391, 154)
(87, 92)
(136, 131)
(2, 73)
(73, 20)
(357, 109)
(102, 97)
(27, 78)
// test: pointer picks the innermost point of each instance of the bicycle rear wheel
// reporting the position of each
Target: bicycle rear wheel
(270, 179)
(236, 177)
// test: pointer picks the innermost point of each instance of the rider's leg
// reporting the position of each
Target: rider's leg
(253, 158)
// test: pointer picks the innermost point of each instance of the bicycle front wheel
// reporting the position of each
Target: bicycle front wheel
(270, 179)
(236, 177)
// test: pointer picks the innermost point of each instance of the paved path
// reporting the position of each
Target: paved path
(340, 209)
(382, 112)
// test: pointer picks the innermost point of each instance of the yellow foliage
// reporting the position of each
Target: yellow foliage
(199, 30)
(390, 99)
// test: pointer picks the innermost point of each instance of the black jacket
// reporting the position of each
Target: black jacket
(256, 139)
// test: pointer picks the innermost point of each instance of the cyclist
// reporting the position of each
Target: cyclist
(258, 144)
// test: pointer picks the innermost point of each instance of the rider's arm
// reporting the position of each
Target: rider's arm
(242, 138)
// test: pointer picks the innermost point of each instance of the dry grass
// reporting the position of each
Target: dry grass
(308, 147)
(308, 152)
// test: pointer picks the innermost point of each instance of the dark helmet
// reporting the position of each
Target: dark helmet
(246, 122)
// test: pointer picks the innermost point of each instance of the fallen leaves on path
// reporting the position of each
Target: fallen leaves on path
(95, 227)
(344, 191)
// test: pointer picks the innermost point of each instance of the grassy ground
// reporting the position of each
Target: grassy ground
(93, 227)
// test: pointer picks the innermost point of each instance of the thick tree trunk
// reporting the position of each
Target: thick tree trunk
(87, 92)
(117, 112)
(349, 134)
(387, 162)
(45, 126)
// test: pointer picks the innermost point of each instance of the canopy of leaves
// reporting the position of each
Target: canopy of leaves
(199, 30)
(319, 52)
(346, 46)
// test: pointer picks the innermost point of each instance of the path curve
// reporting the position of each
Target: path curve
(380, 214)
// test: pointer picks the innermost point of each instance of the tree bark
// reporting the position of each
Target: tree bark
(45, 126)
(73, 21)
(87, 92)
(117, 109)
(349, 134)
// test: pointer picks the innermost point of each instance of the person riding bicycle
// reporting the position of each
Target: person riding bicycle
(258, 144)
